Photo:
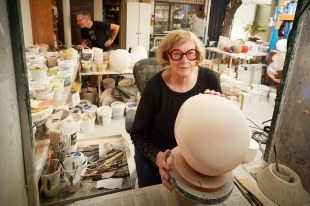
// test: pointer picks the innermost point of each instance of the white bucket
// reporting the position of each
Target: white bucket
(43, 47)
(89, 108)
(38, 60)
(130, 105)
(264, 91)
(272, 98)
(118, 110)
(39, 119)
(33, 48)
(104, 114)
(39, 74)
(69, 130)
(252, 151)
(66, 115)
(67, 75)
(87, 54)
(88, 122)
(47, 93)
(255, 96)
(58, 90)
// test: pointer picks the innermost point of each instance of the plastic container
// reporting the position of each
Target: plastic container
(272, 98)
(69, 130)
(86, 67)
(88, 122)
(256, 96)
(39, 73)
(50, 178)
(89, 108)
(118, 110)
(264, 91)
(252, 151)
(43, 94)
(131, 105)
(39, 118)
(72, 168)
(87, 54)
(104, 114)
(33, 48)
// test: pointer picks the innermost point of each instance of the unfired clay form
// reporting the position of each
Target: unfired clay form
(212, 133)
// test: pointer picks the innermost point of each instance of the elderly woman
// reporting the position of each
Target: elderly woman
(180, 52)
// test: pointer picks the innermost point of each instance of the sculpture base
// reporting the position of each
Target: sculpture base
(197, 187)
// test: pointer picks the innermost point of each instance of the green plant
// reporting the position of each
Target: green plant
(253, 29)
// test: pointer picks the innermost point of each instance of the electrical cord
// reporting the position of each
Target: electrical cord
(259, 134)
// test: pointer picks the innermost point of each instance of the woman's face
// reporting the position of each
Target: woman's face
(184, 66)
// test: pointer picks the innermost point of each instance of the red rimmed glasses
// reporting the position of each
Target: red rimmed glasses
(177, 54)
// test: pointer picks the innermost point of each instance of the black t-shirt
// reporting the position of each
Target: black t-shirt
(97, 34)
(153, 127)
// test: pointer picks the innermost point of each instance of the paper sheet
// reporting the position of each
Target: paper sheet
(112, 183)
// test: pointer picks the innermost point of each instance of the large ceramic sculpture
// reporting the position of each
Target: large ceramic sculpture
(212, 134)
(119, 60)
(141, 51)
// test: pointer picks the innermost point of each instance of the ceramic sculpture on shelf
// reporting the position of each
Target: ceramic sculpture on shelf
(134, 57)
(141, 51)
(212, 134)
(119, 60)
(281, 45)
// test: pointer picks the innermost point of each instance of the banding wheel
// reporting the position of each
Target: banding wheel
(196, 187)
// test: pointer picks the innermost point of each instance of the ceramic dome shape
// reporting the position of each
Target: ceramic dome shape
(119, 60)
(212, 134)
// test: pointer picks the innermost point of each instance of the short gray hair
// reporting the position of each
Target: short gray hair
(84, 14)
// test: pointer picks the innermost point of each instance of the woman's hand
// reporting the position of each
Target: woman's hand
(161, 162)
(212, 92)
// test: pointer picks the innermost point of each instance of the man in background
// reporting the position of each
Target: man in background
(95, 33)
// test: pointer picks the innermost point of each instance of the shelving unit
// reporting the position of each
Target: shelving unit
(99, 74)
(112, 11)
(240, 55)
(280, 18)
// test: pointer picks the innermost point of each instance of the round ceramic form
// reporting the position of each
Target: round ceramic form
(119, 60)
(212, 133)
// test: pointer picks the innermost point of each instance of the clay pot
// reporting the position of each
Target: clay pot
(212, 134)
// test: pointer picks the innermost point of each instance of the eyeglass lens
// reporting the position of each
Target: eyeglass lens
(191, 54)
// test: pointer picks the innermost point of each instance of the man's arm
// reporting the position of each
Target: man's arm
(83, 44)
(114, 29)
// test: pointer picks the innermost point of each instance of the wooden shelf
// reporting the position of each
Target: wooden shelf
(284, 17)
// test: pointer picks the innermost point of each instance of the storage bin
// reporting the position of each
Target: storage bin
(104, 114)
(39, 118)
(88, 122)
(118, 110)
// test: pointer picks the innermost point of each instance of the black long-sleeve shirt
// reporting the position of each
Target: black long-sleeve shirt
(153, 127)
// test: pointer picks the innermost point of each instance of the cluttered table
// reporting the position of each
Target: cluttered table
(245, 184)
(107, 172)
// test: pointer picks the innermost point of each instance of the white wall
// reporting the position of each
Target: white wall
(244, 15)
(98, 10)
(26, 19)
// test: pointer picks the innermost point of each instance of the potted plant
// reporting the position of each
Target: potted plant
(253, 29)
